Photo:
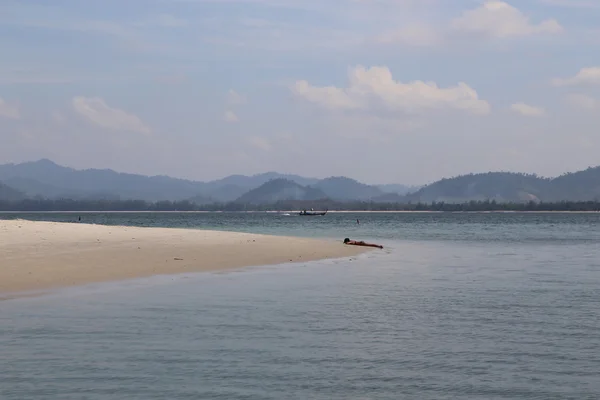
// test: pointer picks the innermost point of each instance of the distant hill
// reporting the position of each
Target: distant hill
(389, 198)
(254, 181)
(224, 193)
(280, 190)
(581, 185)
(201, 200)
(233, 186)
(9, 194)
(499, 186)
(512, 187)
(32, 187)
(47, 179)
(344, 189)
(397, 188)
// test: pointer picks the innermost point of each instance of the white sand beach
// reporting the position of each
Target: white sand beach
(44, 255)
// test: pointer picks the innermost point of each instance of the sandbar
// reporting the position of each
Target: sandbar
(36, 255)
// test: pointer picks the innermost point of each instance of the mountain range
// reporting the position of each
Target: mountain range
(280, 189)
(47, 179)
(10, 194)
(511, 187)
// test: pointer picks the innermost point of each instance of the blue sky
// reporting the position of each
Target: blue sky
(404, 91)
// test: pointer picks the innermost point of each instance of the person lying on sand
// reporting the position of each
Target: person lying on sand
(361, 243)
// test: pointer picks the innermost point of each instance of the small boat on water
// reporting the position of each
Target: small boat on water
(312, 213)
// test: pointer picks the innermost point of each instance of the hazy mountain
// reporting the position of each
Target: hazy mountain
(225, 193)
(499, 186)
(389, 198)
(342, 188)
(46, 179)
(32, 187)
(202, 200)
(232, 187)
(509, 187)
(9, 194)
(397, 188)
(280, 190)
(581, 185)
(254, 181)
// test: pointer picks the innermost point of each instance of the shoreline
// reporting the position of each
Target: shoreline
(36, 256)
(297, 211)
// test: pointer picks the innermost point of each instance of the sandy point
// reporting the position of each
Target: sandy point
(37, 255)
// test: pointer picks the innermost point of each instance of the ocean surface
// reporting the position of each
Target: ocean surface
(457, 306)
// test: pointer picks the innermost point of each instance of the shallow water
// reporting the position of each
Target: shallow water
(469, 306)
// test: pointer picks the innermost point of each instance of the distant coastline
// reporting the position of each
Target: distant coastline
(69, 205)
(46, 186)
(295, 212)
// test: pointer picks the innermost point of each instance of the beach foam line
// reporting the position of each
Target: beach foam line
(37, 256)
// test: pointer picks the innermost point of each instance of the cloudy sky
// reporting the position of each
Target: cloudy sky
(404, 91)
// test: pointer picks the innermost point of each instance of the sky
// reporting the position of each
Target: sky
(383, 91)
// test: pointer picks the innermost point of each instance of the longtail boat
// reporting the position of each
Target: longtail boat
(312, 213)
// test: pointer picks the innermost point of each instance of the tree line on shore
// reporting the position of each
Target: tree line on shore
(33, 205)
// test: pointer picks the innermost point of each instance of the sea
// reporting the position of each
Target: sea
(456, 306)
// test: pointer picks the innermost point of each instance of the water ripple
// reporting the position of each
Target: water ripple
(427, 319)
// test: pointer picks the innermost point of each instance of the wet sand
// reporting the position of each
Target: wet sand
(35, 256)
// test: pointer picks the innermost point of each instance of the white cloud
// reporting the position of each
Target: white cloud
(498, 19)
(328, 96)
(585, 76)
(528, 110)
(97, 111)
(9, 111)
(376, 86)
(583, 101)
(230, 116)
(234, 97)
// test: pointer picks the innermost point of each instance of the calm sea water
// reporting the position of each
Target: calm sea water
(458, 306)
